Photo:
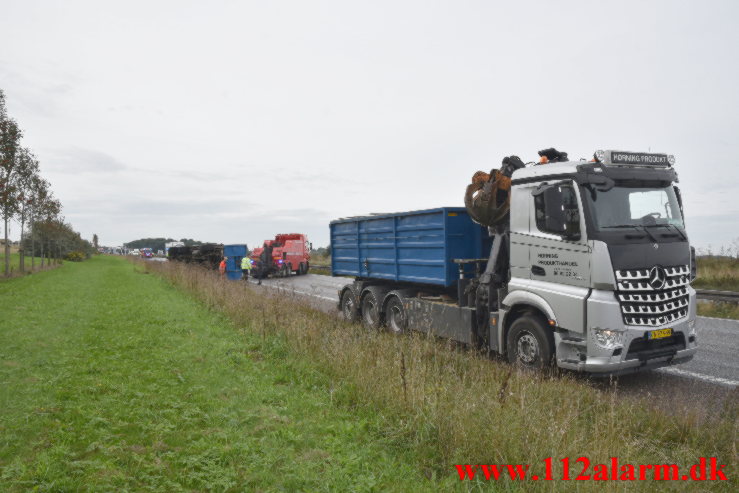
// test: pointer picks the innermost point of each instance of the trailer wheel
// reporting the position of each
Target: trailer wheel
(301, 269)
(370, 309)
(348, 308)
(529, 343)
(397, 322)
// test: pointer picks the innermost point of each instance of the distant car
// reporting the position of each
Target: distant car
(135, 251)
(146, 253)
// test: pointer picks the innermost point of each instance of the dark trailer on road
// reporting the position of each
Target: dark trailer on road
(411, 269)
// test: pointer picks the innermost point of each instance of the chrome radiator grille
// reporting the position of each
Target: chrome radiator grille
(655, 296)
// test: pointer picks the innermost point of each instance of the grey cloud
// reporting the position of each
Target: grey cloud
(156, 209)
(80, 160)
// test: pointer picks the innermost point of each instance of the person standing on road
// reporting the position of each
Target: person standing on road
(246, 267)
(222, 266)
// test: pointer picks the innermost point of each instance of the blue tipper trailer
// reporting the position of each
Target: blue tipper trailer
(414, 247)
(234, 254)
(410, 269)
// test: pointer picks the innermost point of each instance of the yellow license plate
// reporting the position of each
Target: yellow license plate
(660, 333)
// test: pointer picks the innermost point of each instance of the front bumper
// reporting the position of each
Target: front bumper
(603, 366)
(635, 352)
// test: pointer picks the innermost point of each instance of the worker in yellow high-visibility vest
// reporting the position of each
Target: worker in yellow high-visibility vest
(246, 267)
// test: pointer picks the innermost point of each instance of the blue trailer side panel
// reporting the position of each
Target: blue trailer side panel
(415, 246)
(233, 265)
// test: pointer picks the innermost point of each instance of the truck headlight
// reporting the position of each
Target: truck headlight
(607, 338)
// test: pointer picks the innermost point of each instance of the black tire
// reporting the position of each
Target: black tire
(370, 309)
(395, 316)
(301, 269)
(530, 343)
(348, 306)
(307, 267)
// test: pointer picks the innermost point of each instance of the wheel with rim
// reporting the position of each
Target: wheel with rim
(395, 315)
(370, 309)
(301, 269)
(530, 343)
(348, 307)
(285, 270)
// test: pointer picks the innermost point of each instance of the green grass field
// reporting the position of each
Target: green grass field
(720, 273)
(15, 263)
(113, 380)
(164, 377)
(454, 406)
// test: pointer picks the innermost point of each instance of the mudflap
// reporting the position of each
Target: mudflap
(442, 319)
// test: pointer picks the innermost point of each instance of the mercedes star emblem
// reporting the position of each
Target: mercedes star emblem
(657, 277)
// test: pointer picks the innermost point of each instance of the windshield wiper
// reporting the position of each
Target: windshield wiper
(637, 227)
(646, 230)
(680, 233)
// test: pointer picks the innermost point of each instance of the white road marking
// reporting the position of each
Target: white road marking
(294, 291)
(312, 295)
(700, 376)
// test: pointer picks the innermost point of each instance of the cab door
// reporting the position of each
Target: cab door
(558, 251)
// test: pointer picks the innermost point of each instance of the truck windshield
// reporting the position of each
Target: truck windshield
(628, 207)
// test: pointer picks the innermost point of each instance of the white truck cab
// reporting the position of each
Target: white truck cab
(599, 249)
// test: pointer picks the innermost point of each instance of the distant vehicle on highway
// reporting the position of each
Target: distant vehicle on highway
(283, 256)
(146, 253)
(135, 251)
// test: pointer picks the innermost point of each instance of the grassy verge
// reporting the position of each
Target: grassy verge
(113, 380)
(453, 407)
(720, 273)
(718, 309)
(15, 264)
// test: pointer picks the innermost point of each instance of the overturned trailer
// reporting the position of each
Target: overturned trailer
(208, 254)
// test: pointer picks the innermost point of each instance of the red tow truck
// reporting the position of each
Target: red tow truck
(286, 254)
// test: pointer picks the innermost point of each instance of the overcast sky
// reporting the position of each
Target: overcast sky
(231, 121)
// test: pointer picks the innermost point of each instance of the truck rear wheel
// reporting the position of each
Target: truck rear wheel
(301, 269)
(370, 309)
(348, 307)
(397, 321)
(529, 343)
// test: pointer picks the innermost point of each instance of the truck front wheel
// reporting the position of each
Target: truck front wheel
(529, 343)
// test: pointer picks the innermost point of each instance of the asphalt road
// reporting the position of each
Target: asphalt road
(704, 383)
